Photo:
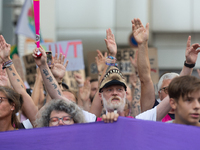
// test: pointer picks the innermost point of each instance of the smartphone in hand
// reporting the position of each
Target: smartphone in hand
(49, 58)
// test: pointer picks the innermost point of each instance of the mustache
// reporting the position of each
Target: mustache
(115, 97)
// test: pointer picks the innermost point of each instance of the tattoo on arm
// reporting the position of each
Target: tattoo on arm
(10, 69)
(55, 86)
(135, 104)
(59, 92)
(50, 79)
(18, 80)
(45, 71)
(14, 74)
(22, 86)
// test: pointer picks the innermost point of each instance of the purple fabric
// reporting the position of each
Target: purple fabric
(124, 134)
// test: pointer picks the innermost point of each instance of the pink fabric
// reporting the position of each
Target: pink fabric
(166, 118)
(100, 119)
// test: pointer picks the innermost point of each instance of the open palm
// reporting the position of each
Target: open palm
(140, 33)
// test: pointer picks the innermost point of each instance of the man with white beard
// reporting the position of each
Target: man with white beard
(113, 92)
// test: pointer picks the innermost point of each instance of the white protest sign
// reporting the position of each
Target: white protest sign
(73, 50)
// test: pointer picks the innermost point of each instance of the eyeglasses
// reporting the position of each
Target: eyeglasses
(1, 99)
(55, 120)
(165, 89)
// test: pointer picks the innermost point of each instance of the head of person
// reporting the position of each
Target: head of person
(68, 93)
(163, 84)
(60, 112)
(94, 88)
(184, 93)
(10, 103)
(112, 90)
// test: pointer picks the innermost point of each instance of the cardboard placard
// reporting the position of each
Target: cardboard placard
(70, 80)
(124, 64)
(30, 67)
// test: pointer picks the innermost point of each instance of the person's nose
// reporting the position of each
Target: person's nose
(60, 123)
(196, 104)
(115, 92)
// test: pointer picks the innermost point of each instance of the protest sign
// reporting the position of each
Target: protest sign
(125, 134)
(73, 50)
(124, 64)
(30, 68)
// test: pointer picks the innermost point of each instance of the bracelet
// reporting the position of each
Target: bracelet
(111, 57)
(112, 64)
(189, 65)
(7, 64)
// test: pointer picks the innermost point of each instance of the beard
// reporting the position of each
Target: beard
(119, 106)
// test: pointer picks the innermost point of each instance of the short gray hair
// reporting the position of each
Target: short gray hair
(165, 77)
(60, 105)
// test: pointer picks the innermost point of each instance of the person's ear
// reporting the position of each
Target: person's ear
(173, 103)
(12, 107)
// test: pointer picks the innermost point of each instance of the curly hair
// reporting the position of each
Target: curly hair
(60, 105)
(13, 98)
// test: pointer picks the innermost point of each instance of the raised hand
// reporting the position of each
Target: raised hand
(140, 33)
(84, 91)
(40, 60)
(110, 43)
(4, 50)
(191, 52)
(58, 66)
(79, 79)
(100, 61)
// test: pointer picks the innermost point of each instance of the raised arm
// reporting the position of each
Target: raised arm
(37, 94)
(191, 54)
(96, 107)
(50, 82)
(141, 35)
(136, 88)
(28, 106)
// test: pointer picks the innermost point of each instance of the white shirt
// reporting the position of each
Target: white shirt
(148, 115)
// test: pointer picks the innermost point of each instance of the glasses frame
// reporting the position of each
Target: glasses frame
(165, 89)
(60, 119)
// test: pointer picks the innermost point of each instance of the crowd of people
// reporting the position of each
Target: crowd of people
(102, 99)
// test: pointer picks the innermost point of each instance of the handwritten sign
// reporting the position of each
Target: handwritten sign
(73, 50)
(30, 67)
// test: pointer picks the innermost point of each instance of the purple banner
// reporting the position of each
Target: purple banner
(124, 134)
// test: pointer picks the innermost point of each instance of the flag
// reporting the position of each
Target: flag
(26, 23)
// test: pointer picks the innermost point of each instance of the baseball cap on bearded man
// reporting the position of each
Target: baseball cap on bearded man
(112, 78)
